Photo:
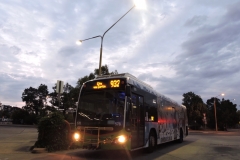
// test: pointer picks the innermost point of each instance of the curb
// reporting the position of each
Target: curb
(19, 125)
(39, 150)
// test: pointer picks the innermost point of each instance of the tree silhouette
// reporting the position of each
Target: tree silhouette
(195, 109)
(34, 98)
(226, 113)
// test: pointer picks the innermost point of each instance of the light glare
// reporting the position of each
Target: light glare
(141, 4)
(78, 42)
(76, 136)
(121, 139)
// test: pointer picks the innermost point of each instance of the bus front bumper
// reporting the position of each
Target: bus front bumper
(91, 142)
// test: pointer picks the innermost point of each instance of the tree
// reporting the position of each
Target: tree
(54, 97)
(21, 117)
(4, 114)
(115, 72)
(238, 114)
(195, 109)
(66, 100)
(34, 98)
(226, 113)
(82, 80)
(104, 69)
(91, 76)
(210, 107)
(229, 114)
(74, 94)
(42, 96)
(28, 96)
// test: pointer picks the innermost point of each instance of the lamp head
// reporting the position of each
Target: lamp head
(141, 4)
(78, 42)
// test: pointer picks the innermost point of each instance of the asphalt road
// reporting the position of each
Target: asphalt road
(15, 144)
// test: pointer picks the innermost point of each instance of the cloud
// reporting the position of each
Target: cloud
(175, 46)
(14, 85)
(196, 21)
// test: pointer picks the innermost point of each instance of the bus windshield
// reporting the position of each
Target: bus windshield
(101, 108)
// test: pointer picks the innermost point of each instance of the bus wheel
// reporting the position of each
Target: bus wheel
(181, 136)
(152, 142)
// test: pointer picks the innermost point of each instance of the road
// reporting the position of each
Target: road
(15, 143)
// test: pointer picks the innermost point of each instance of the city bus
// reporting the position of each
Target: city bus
(120, 111)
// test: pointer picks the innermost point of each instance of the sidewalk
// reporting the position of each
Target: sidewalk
(229, 131)
(17, 125)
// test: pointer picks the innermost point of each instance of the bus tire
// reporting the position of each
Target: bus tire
(152, 143)
(180, 140)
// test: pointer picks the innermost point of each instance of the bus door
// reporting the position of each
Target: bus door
(137, 122)
(174, 121)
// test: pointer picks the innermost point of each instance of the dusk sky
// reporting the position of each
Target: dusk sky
(175, 46)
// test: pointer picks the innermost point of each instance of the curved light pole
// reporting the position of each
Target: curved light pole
(215, 112)
(100, 60)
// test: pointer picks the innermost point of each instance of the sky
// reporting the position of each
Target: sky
(175, 46)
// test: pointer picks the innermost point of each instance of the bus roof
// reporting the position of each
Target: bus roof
(137, 83)
(123, 75)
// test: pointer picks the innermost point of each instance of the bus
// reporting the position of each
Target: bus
(122, 112)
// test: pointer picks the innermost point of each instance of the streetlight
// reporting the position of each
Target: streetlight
(137, 3)
(215, 110)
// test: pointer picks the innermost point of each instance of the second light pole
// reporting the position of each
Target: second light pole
(215, 112)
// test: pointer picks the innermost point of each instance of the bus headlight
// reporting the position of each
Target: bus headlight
(121, 139)
(76, 136)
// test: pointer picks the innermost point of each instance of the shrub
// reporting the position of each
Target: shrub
(53, 133)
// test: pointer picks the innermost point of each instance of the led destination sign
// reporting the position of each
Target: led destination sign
(115, 83)
(108, 84)
(105, 84)
(99, 85)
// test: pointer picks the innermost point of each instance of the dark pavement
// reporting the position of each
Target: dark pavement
(16, 142)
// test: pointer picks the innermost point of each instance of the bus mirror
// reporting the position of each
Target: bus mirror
(128, 91)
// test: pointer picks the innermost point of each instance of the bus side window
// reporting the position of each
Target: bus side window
(134, 110)
(152, 114)
(134, 106)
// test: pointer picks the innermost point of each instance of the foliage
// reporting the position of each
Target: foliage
(238, 115)
(195, 109)
(65, 100)
(53, 133)
(210, 107)
(35, 98)
(47, 109)
(226, 113)
(19, 116)
(4, 114)
(84, 79)
(104, 70)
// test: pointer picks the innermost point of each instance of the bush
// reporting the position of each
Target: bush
(53, 133)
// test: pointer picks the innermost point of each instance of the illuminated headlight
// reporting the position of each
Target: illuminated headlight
(76, 136)
(122, 139)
